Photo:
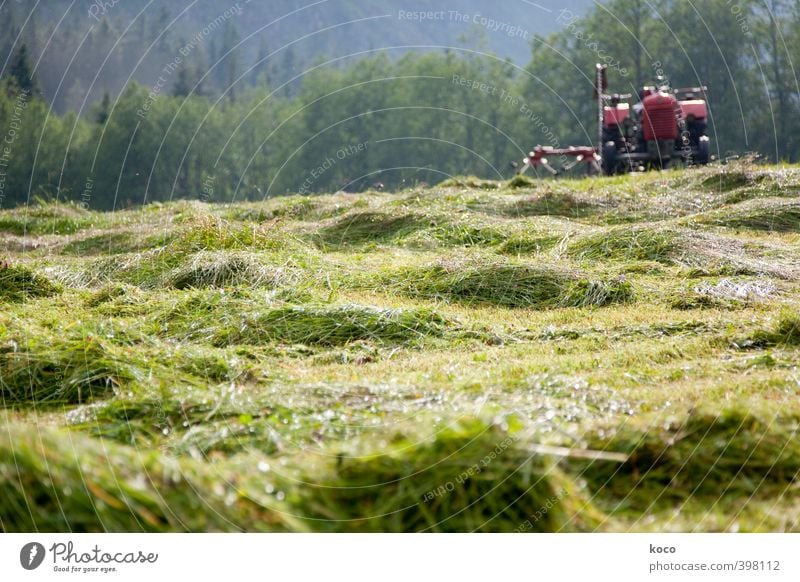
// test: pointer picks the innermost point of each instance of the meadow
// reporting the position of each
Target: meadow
(606, 354)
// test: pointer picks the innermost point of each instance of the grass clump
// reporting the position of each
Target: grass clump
(194, 260)
(115, 293)
(198, 315)
(727, 181)
(785, 332)
(627, 244)
(138, 421)
(53, 480)
(522, 181)
(469, 477)
(71, 371)
(469, 182)
(716, 454)
(700, 253)
(46, 218)
(99, 360)
(333, 326)
(219, 269)
(210, 233)
(18, 283)
(86, 364)
(466, 233)
(527, 243)
(691, 300)
(724, 294)
(296, 207)
(506, 285)
(593, 293)
(551, 204)
(101, 244)
(367, 227)
(180, 422)
(114, 243)
(147, 269)
(769, 215)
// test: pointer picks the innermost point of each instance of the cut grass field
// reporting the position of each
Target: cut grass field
(610, 354)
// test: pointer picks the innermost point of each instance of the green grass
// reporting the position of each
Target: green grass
(226, 270)
(71, 371)
(117, 489)
(764, 214)
(18, 283)
(649, 243)
(553, 205)
(707, 459)
(506, 284)
(786, 331)
(332, 326)
(729, 180)
(43, 218)
(366, 227)
(473, 182)
(608, 354)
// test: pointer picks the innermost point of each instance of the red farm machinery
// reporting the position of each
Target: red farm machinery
(662, 126)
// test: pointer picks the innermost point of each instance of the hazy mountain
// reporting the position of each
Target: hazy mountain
(82, 48)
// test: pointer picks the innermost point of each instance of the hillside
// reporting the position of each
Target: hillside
(102, 46)
(611, 354)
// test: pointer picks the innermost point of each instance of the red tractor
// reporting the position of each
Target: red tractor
(663, 125)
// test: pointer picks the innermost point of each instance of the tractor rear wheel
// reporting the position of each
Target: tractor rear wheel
(703, 151)
(610, 164)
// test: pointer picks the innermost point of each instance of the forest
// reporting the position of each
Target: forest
(219, 128)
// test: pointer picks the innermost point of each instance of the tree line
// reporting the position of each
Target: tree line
(384, 122)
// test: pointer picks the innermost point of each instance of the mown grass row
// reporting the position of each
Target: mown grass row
(715, 458)
(390, 491)
(100, 359)
(471, 476)
(506, 284)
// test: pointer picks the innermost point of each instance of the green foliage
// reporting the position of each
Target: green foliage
(209, 233)
(21, 72)
(456, 482)
(552, 205)
(227, 269)
(469, 182)
(103, 244)
(129, 491)
(126, 490)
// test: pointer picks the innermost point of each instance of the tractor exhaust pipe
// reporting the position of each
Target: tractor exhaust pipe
(600, 87)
